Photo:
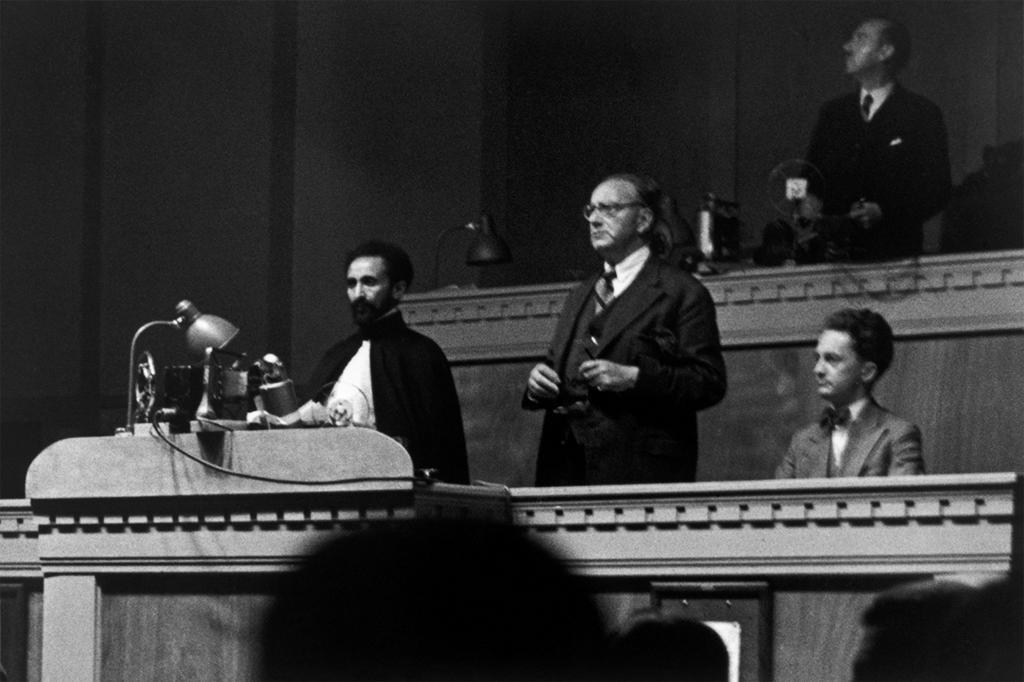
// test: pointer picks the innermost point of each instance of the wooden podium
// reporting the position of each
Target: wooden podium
(157, 560)
(143, 542)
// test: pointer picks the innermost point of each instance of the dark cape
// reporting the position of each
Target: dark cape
(414, 395)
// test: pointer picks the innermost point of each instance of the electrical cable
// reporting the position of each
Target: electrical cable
(159, 433)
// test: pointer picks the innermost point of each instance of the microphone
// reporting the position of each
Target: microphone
(277, 391)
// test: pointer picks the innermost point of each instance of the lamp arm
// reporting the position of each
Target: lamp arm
(437, 246)
(130, 419)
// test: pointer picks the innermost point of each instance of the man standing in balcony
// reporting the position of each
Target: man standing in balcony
(855, 436)
(882, 153)
(635, 355)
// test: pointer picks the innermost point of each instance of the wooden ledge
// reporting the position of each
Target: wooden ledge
(932, 295)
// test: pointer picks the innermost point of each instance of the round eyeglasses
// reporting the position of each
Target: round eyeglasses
(609, 210)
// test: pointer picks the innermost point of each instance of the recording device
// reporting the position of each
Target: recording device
(223, 388)
(793, 237)
(183, 391)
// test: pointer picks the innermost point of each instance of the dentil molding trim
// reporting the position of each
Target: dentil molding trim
(931, 295)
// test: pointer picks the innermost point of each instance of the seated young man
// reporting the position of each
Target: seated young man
(855, 436)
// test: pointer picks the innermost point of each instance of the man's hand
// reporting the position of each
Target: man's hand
(612, 377)
(543, 383)
(867, 213)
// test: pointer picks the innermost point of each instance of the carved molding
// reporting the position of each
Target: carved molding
(183, 535)
(236, 533)
(925, 525)
(933, 295)
(913, 525)
(769, 504)
(19, 534)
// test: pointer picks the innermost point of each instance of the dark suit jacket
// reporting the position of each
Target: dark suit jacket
(880, 444)
(900, 160)
(664, 323)
(413, 393)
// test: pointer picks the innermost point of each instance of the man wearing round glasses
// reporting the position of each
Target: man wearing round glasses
(636, 354)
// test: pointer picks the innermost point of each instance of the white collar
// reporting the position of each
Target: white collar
(628, 268)
(878, 96)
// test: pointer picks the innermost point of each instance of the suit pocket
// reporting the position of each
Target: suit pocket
(659, 343)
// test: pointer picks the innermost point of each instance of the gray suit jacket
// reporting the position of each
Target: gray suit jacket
(880, 444)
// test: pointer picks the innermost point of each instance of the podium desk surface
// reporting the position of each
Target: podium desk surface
(219, 463)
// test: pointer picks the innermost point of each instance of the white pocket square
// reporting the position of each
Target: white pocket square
(895, 141)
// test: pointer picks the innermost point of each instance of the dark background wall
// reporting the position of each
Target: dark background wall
(711, 96)
(230, 152)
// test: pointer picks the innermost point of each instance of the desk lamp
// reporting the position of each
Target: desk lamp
(487, 248)
(202, 331)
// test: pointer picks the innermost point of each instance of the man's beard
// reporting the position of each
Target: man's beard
(365, 313)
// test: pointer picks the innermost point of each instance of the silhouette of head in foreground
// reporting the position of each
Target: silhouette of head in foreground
(943, 631)
(432, 600)
(654, 645)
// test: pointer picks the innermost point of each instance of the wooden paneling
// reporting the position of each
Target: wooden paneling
(959, 323)
(34, 654)
(771, 394)
(14, 628)
(826, 622)
(181, 635)
(965, 393)
(21, 629)
(501, 437)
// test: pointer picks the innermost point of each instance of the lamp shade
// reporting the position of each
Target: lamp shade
(203, 330)
(487, 248)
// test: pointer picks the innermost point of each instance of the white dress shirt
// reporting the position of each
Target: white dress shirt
(841, 434)
(627, 269)
(878, 97)
(354, 386)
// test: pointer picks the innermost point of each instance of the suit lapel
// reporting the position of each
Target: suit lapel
(818, 453)
(891, 104)
(580, 297)
(864, 434)
(638, 297)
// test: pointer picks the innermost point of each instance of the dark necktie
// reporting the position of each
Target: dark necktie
(865, 106)
(831, 418)
(603, 291)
